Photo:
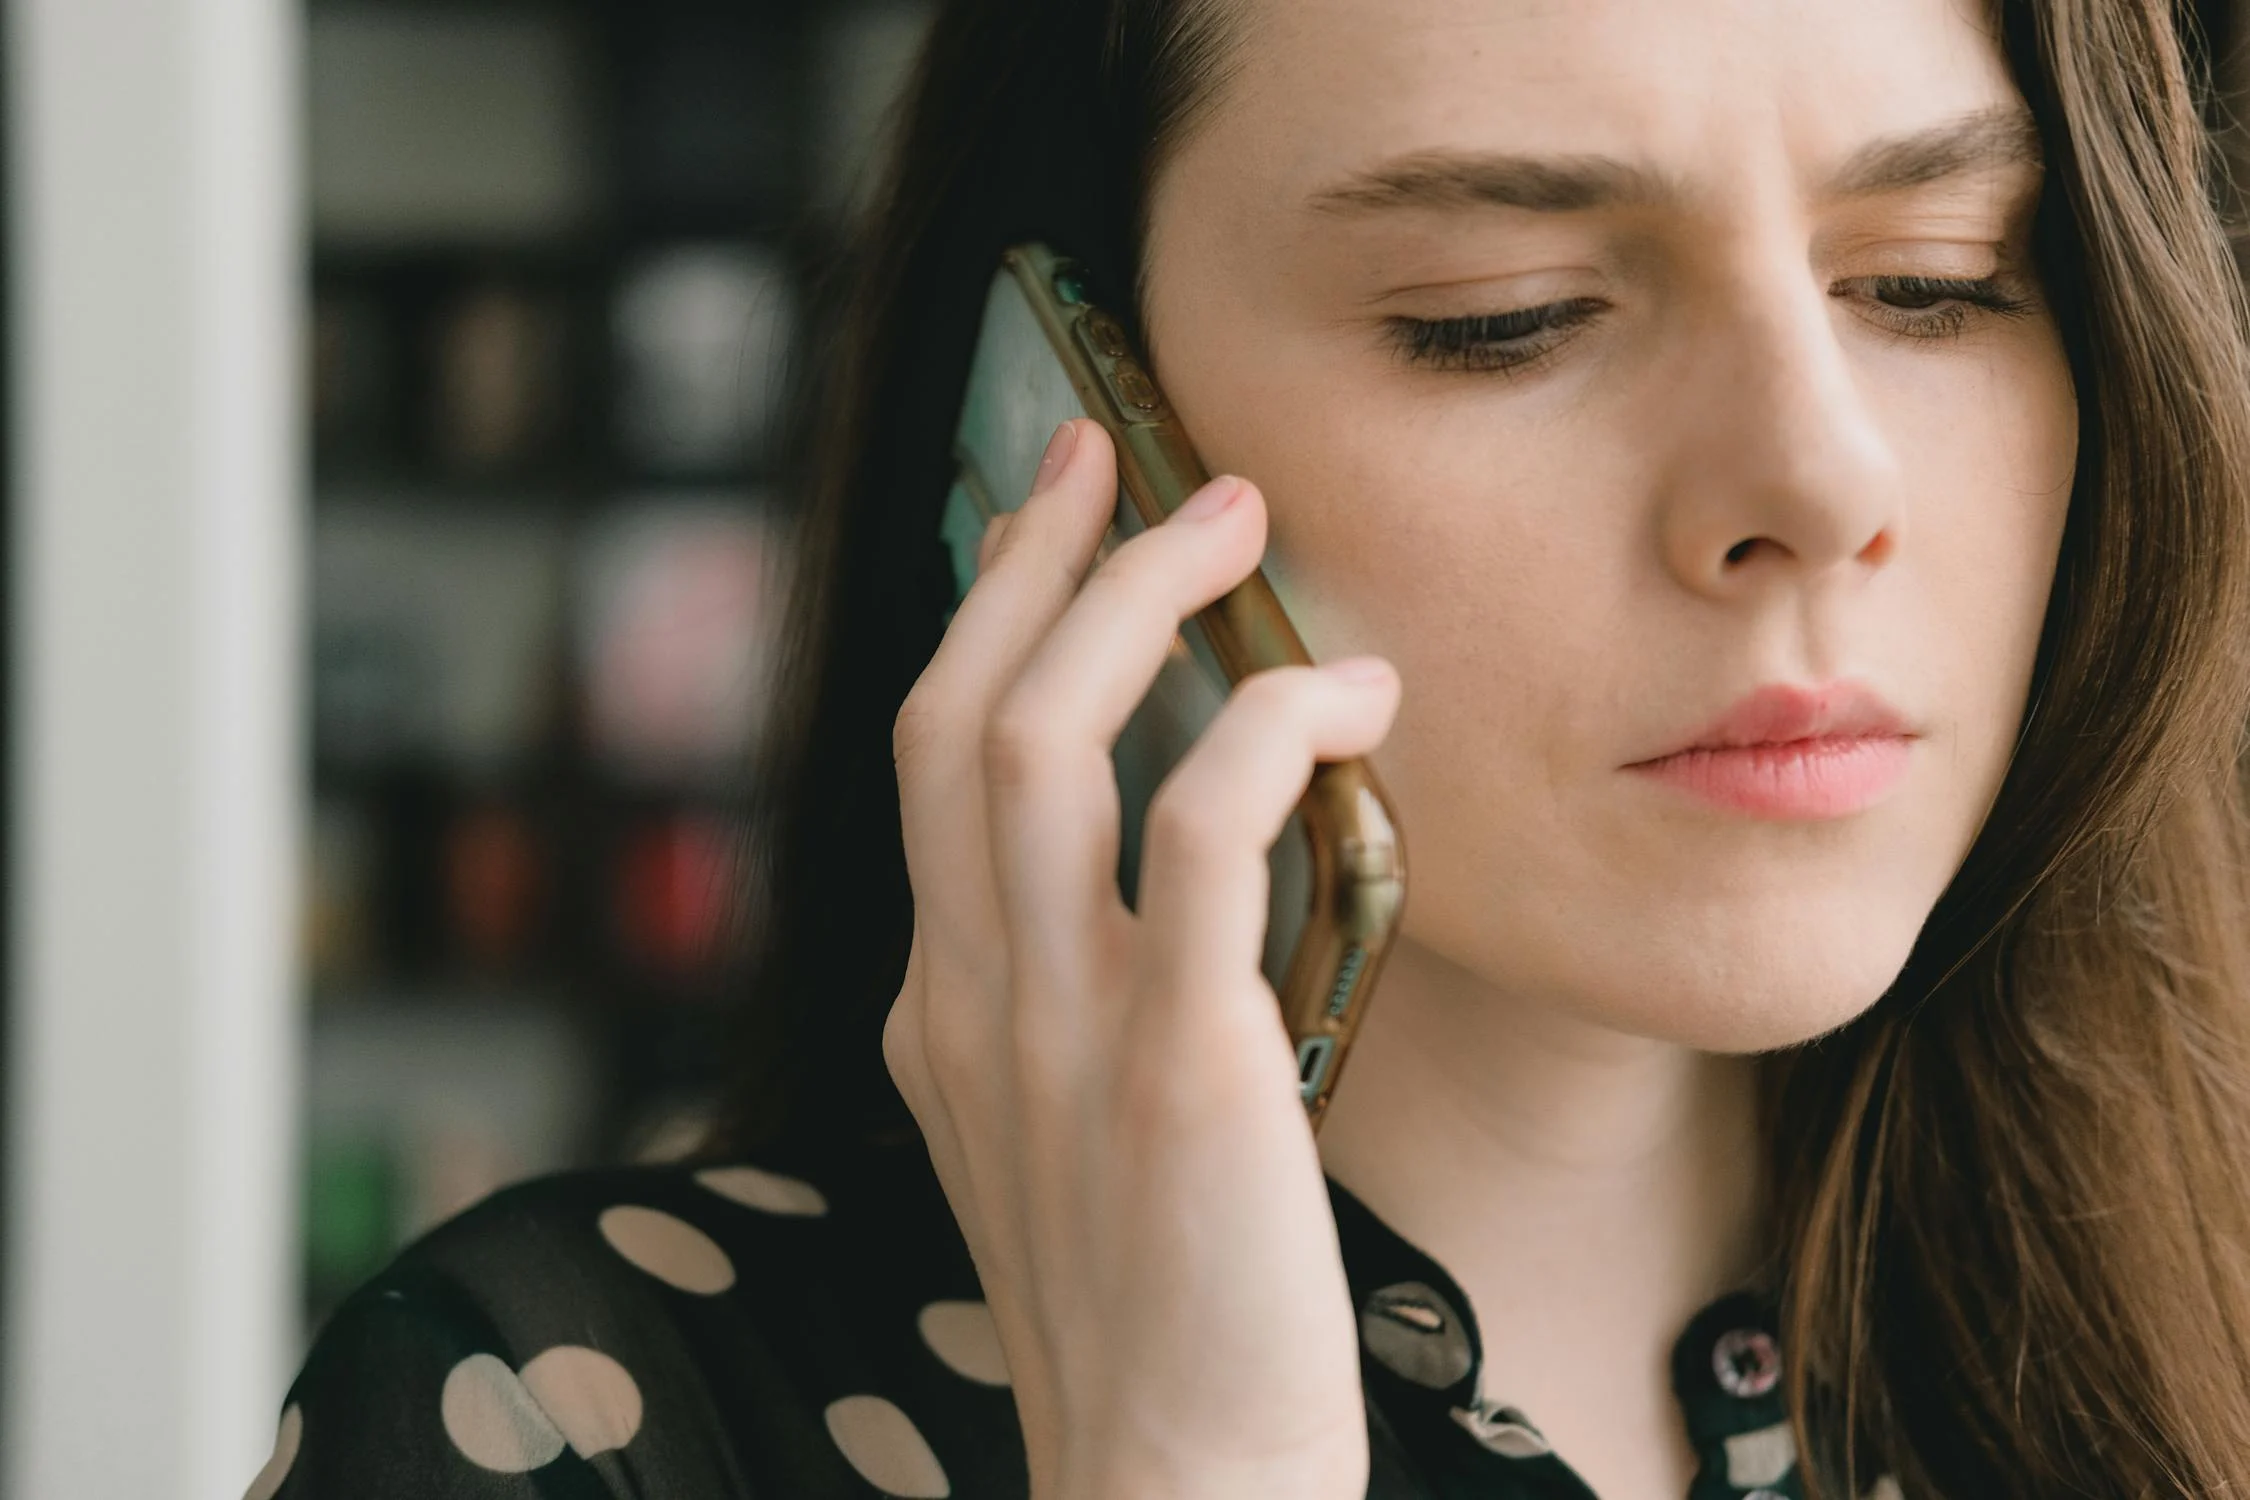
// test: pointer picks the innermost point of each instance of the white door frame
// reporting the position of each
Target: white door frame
(155, 276)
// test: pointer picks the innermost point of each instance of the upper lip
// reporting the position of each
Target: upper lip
(1780, 712)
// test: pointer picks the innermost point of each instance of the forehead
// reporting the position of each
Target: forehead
(1318, 87)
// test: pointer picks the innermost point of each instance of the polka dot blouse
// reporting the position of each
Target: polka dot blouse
(743, 1333)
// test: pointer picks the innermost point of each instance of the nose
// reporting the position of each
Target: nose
(1780, 473)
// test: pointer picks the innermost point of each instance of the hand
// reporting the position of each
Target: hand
(1109, 1096)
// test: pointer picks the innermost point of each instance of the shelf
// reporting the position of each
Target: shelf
(557, 261)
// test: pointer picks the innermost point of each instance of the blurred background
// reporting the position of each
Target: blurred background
(395, 564)
(558, 255)
(392, 572)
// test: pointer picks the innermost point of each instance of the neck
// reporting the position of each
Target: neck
(1589, 1190)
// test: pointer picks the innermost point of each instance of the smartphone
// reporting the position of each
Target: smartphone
(1047, 353)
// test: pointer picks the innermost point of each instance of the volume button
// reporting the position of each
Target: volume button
(1107, 347)
(1107, 335)
(1134, 390)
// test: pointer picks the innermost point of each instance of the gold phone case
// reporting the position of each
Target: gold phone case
(1339, 869)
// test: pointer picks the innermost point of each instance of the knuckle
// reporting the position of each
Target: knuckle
(995, 536)
(956, 1055)
(902, 1047)
(1036, 555)
(1020, 742)
(1140, 573)
(1275, 696)
(916, 728)
(1148, 568)
(1015, 548)
(1182, 824)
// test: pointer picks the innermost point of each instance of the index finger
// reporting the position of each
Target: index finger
(1028, 579)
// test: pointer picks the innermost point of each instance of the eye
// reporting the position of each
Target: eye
(1490, 341)
(1935, 307)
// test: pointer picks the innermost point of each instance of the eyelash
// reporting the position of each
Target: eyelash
(1514, 340)
(1490, 341)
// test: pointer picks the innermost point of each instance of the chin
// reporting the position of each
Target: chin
(1767, 981)
(1754, 977)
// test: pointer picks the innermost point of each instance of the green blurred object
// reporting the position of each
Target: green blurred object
(351, 1214)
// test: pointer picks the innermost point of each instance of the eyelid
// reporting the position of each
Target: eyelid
(1962, 259)
(1432, 301)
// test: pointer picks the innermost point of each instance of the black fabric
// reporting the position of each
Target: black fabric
(748, 1333)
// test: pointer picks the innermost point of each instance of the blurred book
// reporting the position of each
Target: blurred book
(442, 124)
(354, 373)
(352, 1221)
(502, 391)
(677, 897)
(497, 886)
(675, 615)
(434, 633)
(339, 937)
(702, 337)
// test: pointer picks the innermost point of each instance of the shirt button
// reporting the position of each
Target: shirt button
(1503, 1429)
(1414, 1332)
(1747, 1362)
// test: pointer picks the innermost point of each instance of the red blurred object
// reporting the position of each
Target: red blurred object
(676, 893)
(493, 885)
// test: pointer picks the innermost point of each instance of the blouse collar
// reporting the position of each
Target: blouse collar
(1422, 1361)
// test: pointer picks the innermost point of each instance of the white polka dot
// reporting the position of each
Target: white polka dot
(882, 1444)
(961, 1334)
(286, 1438)
(493, 1420)
(672, 1250)
(1758, 1459)
(567, 1396)
(769, 1192)
(587, 1395)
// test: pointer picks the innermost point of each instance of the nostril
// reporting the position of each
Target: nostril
(1741, 550)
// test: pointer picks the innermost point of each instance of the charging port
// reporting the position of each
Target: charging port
(1313, 1056)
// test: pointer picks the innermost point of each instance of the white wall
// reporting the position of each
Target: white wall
(154, 289)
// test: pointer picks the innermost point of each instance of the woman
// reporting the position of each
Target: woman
(1620, 383)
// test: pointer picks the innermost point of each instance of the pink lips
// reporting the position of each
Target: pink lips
(1793, 753)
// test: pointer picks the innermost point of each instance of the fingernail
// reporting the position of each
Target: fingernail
(1057, 454)
(1211, 499)
(1365, 670)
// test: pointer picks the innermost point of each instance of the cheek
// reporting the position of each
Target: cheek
(1496, 581)
(1992, 464)
(1437, 534)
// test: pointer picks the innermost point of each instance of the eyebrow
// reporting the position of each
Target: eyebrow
(1999, 137)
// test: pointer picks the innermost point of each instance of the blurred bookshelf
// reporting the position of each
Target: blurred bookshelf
(559, 249)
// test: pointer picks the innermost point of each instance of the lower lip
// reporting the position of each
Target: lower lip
(1803, 779)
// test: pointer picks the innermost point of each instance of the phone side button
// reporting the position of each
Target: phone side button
(1107, 336)
(1135, 391)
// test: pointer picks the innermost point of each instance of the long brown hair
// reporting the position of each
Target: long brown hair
(2014, 1198)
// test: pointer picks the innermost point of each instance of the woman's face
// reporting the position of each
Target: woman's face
(1717, 428)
